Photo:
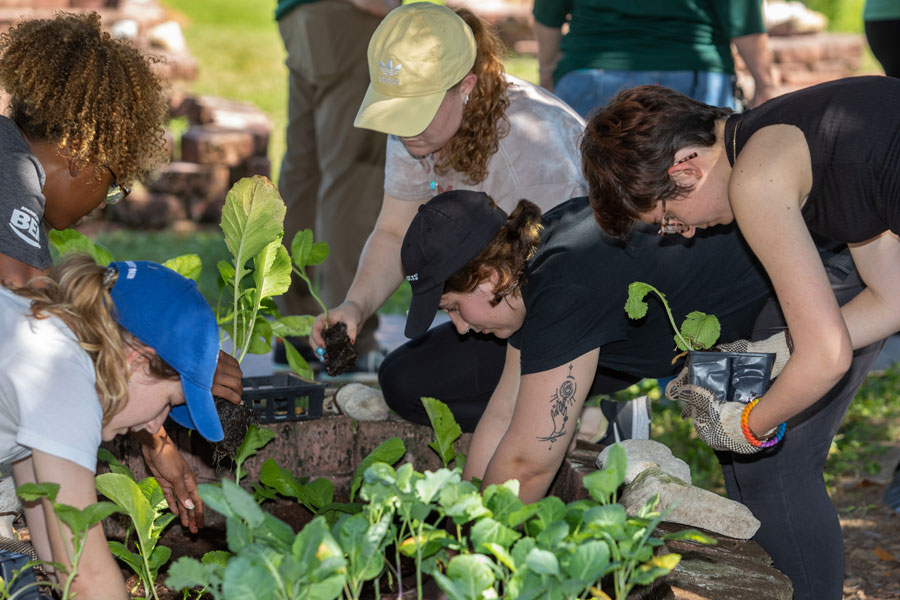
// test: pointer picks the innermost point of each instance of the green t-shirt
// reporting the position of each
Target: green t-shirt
(286, 6)
(649, 35)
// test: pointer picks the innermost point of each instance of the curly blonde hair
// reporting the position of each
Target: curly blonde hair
(484, 120)
(95, 97)
(507, 255)
(74, 291)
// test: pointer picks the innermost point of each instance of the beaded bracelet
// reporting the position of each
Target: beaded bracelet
(745, 414)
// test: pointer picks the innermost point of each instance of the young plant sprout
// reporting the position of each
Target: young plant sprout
(699, 331)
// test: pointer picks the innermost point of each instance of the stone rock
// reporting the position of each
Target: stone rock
(645, 454)
(168, 36)
(362, 403)
(689, 505)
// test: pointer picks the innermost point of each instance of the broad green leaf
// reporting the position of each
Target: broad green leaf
(215, 557)
(280, 479)
(187, 265)
(273, 270)
(301, 248)
(363, 545)
(186, 573)
(503, 501)
(691, 535)
(472, 573)
(237, 534)
(487, 530)
(430, 542)
(114, 464)
(655, 568)
(297, 363)
(542, 561)
(226, 271)
(701, 329)
(318, 493)
(242, 503)
(553, 534)
(251, 577)
(96, 512)
(588, 560)
(128, 557)
(70, 241)
(126, 494)
(388, 452)
(275, 533)
(609, 518)
(293, 325)
(213, 497)
(431, 484)
(502, 555)
(29, 492)
(635, 306)
(251, 218)
(446, 430)
(158, 558)
(549, 510)
(256, 438)
(318, 253)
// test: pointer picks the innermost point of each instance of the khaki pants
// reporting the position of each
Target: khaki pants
(332, 174)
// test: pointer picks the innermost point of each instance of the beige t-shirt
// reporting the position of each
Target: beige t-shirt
(539, 160)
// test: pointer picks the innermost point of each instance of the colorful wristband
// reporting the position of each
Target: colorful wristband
(745, 415)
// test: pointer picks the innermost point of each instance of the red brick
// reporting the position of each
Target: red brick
(144, 209)
(212, 144)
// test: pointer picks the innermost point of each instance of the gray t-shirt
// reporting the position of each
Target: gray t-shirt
(22, 235)
(539, 160)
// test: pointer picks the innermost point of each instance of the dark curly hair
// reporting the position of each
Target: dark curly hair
(629, 145)
(97, 98)
(484, 120)
(507, 254)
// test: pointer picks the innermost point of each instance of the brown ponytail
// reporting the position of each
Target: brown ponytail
(507, 255)
(74, 291)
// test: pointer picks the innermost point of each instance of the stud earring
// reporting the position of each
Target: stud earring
(466, 101)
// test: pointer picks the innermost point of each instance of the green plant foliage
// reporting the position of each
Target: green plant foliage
(699, 331)
(446, 430)
(78, 521)
(254, 440)
(146, 505)
(70, 241)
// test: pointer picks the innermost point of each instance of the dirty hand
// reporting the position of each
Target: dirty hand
(348, 312)
(779, 344)
(227, 379)
(717, 423)
(175, 477)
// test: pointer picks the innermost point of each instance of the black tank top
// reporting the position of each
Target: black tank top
(852, 127)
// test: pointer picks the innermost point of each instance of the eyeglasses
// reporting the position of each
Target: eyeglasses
(669, 224)
(115, 192)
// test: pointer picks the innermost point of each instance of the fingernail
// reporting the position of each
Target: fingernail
(188, 504)
(320, 351)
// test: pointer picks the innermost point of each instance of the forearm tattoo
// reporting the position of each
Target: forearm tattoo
(560, 403)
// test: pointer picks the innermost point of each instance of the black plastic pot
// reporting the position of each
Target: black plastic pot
(283, 397)
(731, 376)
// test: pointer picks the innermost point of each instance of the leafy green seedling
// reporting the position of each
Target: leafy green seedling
(699, 331)
(146, 505)
(78, 521)
(446, 431)
(307, 253)
(260, 270)
(255, 438)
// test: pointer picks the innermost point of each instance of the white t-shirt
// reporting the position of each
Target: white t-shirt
(48, 400)
(538, 160)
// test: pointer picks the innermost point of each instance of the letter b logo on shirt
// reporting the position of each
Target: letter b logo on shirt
(26, 225)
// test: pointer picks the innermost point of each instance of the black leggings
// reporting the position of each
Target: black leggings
(784, 486)
(460, 371)
(884, 40)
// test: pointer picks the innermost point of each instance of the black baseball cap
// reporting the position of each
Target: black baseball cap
(447, 232)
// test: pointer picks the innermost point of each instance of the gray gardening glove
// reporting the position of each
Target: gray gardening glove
(779, 344)
(717, 423)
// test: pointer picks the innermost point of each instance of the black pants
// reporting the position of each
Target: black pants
(884, 40)
(460, 371)
(784, 485)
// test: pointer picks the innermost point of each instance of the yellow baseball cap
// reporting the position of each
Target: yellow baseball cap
(418, 52)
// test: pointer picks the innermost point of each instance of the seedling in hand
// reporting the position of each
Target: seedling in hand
(699, 331)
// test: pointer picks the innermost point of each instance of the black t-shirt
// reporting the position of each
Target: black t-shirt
(852, 127)
(577, 284)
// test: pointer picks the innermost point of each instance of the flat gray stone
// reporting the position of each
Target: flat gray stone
(644, 454)
(362, 402)
(689, 505)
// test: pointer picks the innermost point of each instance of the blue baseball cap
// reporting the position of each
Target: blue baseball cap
(166, 311)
